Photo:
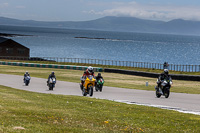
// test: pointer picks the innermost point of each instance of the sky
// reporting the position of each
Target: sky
(83, 10)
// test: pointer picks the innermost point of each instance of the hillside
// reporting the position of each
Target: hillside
(128, 24)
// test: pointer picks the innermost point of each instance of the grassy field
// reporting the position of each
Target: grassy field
(111, 79)
(23, 111)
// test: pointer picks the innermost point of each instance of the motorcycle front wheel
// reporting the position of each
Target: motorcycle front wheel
(167, 93)
(83, 92)
(50, 86)
(91, 91)
(100, 88)
(27, 82)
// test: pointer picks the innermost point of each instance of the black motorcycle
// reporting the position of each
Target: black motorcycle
(164, 88)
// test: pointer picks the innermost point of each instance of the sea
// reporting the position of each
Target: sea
(108, 45)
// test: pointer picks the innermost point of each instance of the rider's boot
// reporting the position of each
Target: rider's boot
(156, 88)
(81, 86)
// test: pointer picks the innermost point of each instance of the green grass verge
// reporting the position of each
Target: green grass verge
(106, 66)
(111, 79)
(23, 111)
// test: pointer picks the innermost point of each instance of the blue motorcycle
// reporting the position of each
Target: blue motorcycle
(27, 80)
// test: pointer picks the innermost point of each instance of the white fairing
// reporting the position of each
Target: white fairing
(52, 80)
(164, 83)
(27, 77)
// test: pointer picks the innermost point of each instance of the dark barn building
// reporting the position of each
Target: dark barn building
(10, 48)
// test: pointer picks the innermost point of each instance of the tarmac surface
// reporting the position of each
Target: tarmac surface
(186, 103)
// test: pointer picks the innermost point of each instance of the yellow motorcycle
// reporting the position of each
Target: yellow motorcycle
(88, 85)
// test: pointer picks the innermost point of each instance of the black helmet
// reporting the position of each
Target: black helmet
(52, 73)
(26, 72)
(99, 74)
(166, 71)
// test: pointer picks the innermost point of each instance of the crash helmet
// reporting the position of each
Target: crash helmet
(166, 71)
(99, 74)
(52, 73)
(90, 69)
(26, 72)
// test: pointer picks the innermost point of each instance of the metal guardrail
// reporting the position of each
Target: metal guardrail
(172, 67)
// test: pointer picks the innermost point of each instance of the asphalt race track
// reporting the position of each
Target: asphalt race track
(187, 103)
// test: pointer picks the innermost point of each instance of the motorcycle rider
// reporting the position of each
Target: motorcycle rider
(98, 77)
(52, 75)
(162, 76)
(89, 71)
(26, 74)
(165, 65)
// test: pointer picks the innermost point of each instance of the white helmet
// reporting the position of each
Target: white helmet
(166, 71)
(90, 69)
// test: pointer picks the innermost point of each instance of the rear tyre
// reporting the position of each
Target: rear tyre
(91, 91)
(167, 93)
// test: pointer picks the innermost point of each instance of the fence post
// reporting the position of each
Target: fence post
(189, 68)
(192, 68)
(195, 68)
(199, 68)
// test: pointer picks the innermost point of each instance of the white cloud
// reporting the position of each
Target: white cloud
(156, 12)
(3, 5)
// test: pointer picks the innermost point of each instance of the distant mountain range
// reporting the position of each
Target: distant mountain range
(127, 24)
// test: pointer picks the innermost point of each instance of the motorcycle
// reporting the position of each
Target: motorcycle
(88, 85)
(27, 80)
(164, 88)
(51, 84)
(99, 85)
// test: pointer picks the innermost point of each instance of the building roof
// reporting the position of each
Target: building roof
(2, 39)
